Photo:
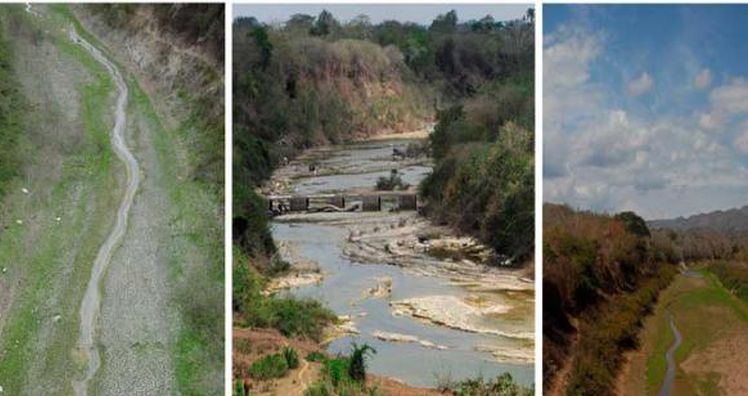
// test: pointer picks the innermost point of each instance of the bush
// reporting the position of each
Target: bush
(502, 385)
(393, 182)
(292, 358)
(270, 366)
(316, 356)
(318, 389)
(357, 367)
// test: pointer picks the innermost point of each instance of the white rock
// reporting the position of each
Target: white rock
(19, 222)
(56, 318)
(5, 269)
(25, 190)
(58, 218)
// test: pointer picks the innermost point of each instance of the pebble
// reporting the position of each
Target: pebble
(56, 318)
(19, 222)
(24, 190)
(58, 219)
(5, 269)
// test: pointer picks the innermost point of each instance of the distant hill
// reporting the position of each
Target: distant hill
(722, 220)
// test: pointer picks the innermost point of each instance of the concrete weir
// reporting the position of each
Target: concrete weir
(367, 202)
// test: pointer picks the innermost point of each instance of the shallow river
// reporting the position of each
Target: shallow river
(358, 166)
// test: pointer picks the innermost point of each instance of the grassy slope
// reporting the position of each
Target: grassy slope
(200, 342)
(84, 191)
(198, 351)
(691, 301)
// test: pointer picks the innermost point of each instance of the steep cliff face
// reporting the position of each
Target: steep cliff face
(176, 53)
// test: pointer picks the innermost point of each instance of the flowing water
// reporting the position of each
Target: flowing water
(356, 167)
(91, 303)
(667, 385)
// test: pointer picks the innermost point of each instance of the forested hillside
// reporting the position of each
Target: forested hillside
(602, 276)
(725, 221)
(315, 80)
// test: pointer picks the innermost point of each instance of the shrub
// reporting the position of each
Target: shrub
(502, 385)
(357, 367)
(393, 182)
(270, 366)
(316, 356)
(292, 358)
(318, 389)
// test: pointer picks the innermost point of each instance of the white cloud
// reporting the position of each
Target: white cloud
(711, 121)
(601, 156)
(640, 85)
(567, 56)
(731, 98)
(703, 79)
(741, 142)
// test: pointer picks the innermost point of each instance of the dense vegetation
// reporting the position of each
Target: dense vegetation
(734, 277)
(602, 277)
(292, 317)
(11, 109)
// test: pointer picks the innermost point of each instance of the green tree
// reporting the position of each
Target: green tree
(326, 24)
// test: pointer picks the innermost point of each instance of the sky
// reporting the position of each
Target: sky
(419, 13)
(646, 108)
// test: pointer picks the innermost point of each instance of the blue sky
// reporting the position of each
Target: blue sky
(646, 107)
(419, 13)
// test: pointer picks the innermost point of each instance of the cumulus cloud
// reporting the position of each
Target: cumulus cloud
(640, 85)
(703, 79)
(599, 155)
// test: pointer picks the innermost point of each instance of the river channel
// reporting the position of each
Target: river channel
(427, 317)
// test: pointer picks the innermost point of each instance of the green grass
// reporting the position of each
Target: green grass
(689, 304)
(84, 191)
(270, 366)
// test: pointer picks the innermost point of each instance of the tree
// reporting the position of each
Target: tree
(325, 25)
(357, 368)
(262, 41)
(445, 23)
(634, 224)
(300, 23)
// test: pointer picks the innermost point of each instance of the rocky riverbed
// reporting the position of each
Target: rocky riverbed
(424, 297)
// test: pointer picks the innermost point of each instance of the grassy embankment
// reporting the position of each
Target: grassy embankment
(82, 194)
(193, 181)
(708, 316)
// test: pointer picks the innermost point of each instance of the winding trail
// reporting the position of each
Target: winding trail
(91, 303)
(667, 385)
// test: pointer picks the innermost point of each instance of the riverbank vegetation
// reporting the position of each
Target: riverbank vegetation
(255, 309)
(603, 275)
(600, 278)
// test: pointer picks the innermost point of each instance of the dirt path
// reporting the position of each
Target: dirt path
(91, 303)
